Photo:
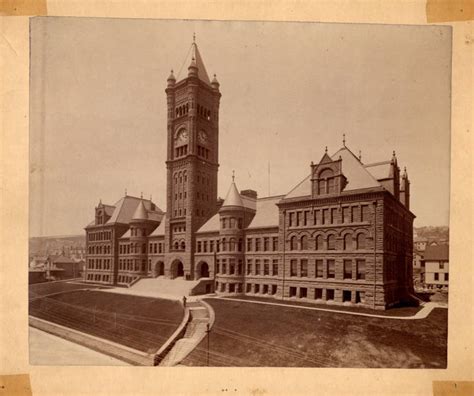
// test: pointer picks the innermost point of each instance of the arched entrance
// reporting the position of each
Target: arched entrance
(177, 269)
(159, 269)
(202, 270)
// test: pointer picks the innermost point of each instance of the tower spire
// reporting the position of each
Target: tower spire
(233, 176)
(344, 139)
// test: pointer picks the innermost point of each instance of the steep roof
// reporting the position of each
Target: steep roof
(233, 197)
(195, 55)
(160, 230)
(437, 252)
(211, 225)
(357, 176)
(125, 209)
(267, 213)
(140, 212)
(379, 170)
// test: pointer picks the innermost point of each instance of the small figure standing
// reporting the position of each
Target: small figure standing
(184, 301)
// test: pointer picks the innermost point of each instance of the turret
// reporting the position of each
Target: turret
(405, 189)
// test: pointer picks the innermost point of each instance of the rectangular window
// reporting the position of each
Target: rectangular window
(266, 244)
(199, 247)
(292, 291)
(232, 266)
(333, 215)
(330, 294)
(274, 289)
(325, 216)
(360, 268)
(275, 267)
(331, 268)
(249, 245)
(364, 213)
(249, 267)
(436, 276)
(291, 219)
(266, 267)
(303, 292)
(305, 217)
(318, 294)
(275, 244)
(211, 246)
(360, 297)
(316, 219)
(217, 267)
(298, 219)
(346, 295)
(441, 265)
(249, 287)
(347, 269)
(319, 269)
(257, 267)
(257, 244)
(293, 267)
(204, 246)
(224, 266)
(446, 277)
(304, 267)
(257, 288)
(265, 289)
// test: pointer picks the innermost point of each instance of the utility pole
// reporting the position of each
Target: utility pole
(208, 330)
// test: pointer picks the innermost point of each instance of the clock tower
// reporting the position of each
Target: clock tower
(192, 162)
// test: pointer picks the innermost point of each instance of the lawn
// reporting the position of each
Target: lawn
(138, 322)
(247, 334)
(43, 289)
(395, 311)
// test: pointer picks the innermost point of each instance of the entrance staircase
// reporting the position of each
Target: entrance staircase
(196, 330)
(173, 289)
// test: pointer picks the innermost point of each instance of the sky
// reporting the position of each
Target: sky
(98, 107)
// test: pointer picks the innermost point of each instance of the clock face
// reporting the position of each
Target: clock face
(202, 136)
(181, 137)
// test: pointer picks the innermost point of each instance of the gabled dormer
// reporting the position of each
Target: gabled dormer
(102, 214)
(327, 177)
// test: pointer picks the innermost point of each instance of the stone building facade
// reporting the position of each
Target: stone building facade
(343, 235)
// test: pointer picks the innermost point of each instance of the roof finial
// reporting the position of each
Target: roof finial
(393, 153)
(194, 37)
(360, 155)
(233, 175)
(326, 150)
(125, 191)
(344, 139)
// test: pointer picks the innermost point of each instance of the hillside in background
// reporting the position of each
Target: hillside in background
(431, 232)
(41, 246)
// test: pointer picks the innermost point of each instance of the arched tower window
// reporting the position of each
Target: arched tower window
(331, 242)
(293, 243)
(348, 242)
(319, 243)
(304, 242)
(361, 242)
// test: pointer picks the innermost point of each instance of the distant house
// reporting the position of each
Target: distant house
(418, 269)
(436, 263)
(62, 267)
(420, 243)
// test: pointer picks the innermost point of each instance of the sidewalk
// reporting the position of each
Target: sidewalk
(202, 315)
(421, 314)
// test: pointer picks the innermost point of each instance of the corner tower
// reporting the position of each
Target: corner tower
(192, 162)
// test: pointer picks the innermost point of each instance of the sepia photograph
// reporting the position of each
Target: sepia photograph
(238, 194)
